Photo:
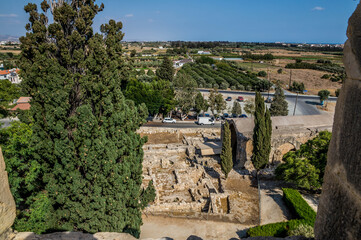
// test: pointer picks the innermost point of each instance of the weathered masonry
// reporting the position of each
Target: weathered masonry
(288, 132)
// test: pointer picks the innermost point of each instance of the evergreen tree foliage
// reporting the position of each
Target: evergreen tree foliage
(201, 104)
(8, 93)
(216, 101)
(84, 130)
(261, 134)
(323, 94)
(279, 105)
(249, 107)
(226, 153)
(306, 166)
(268, 135)
(185, 93)
(166, 70)
(236, 109)
(150, 73)
(157, 95)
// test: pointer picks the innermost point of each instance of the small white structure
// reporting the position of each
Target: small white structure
(180, 63)
(204, 52)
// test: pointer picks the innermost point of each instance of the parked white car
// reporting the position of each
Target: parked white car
(169, 120)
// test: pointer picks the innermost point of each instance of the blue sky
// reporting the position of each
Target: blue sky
(312, 21)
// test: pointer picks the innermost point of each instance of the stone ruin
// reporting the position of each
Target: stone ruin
(193, 186)
(288, 133)
(7, 203)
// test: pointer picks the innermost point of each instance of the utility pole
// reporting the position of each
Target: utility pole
(294, 111)
(289, 85)
(269, 82)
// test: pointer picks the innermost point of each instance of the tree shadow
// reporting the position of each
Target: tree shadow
(193, 237)
(313, 103)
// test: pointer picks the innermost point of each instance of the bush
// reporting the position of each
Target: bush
(326, 76)
(302, 230)
(279, 71)
(337, 92)
(299, 206)
(283, 229)
(262, 74)
(280, 229)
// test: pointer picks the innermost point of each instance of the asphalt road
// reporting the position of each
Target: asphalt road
(288, 95)
(306, 104)
(181, 125)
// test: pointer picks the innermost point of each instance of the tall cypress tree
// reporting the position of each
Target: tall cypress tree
(166, 70)
(84, 129)
(226, 153)
(261, 134)
(279, 105)
(268, 136)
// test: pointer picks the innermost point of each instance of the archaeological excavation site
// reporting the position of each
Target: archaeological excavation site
(190, 184)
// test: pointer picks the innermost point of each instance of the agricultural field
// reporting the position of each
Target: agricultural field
(223, 75)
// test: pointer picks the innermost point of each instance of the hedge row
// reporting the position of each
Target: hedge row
(275, 229)
(299, 206)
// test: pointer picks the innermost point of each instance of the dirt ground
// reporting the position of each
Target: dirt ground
(162, 138)
(155, 227)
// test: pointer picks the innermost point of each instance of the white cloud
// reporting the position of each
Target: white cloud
(129, 15)
(8, 15)
(318, 8)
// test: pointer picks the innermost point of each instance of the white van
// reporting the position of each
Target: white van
(205, 121)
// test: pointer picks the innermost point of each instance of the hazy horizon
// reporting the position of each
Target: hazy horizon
(306, 21)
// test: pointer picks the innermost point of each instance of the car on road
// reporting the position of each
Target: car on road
(234, 115)
(243, 116)
(205, 121)
(229, 99)
(268, 100)
(225, 115)
(240, 99)
(169, 120)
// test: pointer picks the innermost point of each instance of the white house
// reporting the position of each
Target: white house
(12, 75)
(180, 63)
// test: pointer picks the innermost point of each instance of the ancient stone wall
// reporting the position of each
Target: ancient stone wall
(282, 142)
(7, 203)
(339, 212)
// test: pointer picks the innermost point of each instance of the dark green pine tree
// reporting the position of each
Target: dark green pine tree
(260, 147)
(226, 153)
(84, 130)
(268, 136)
(166, 70)
(279, 105)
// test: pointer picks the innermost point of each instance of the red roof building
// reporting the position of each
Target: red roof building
(23, 103)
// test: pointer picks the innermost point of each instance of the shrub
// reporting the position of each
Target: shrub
(302, 230)
(283, 229)
(337, 92)
(262, 74)
(326, 76)
(279, 71)
(299, 206)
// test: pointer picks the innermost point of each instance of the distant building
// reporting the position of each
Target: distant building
(180, 63)
(218, 58)
(12, 75)
(23, 103)
(204, 52)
